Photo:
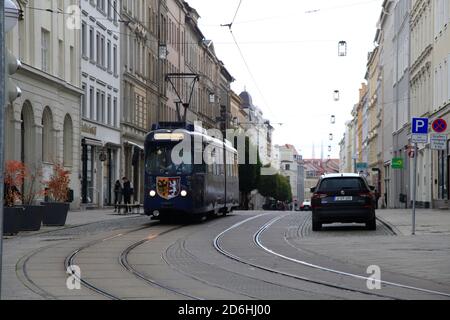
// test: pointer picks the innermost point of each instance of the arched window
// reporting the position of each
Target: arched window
(68, 142)
(47, 136)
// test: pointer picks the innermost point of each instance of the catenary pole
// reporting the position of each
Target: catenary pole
(2, 127)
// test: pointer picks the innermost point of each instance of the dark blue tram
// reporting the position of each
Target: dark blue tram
(185, 173)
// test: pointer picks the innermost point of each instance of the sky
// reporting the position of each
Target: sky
(286, 57)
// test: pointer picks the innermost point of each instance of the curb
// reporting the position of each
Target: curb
(390, 226)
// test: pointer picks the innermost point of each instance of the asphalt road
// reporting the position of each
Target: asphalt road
(246, 255)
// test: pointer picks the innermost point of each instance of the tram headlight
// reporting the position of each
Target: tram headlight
(183, 193)
(153, 193)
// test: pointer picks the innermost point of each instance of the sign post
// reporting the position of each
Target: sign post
(419, 135)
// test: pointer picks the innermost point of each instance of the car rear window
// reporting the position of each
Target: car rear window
(338, 184)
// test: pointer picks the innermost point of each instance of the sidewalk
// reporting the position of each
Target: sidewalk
(17, 247)
(80, 218)
(428, 221)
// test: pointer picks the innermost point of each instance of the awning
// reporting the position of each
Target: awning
(134, 144)
(92, 142)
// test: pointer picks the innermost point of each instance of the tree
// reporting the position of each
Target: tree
(284, 192)
(249, 174)
(275, 186)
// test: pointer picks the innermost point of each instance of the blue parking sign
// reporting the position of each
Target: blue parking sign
(420, 125)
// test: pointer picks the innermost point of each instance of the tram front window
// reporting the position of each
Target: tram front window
(159, 161)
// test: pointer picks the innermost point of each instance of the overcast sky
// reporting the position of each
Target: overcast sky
(291, 49)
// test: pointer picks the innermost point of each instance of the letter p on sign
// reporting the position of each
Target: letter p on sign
(420, 125)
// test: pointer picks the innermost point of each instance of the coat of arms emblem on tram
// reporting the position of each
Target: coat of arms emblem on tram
(168, 188)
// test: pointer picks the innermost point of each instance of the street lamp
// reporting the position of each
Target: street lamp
(336, 95)
(333, 119)
(342, 48)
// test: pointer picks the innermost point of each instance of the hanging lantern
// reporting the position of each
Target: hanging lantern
(333, 119)
(329, 148)
(336, 95)
(342, 48)
(212, 98)
(331, 137)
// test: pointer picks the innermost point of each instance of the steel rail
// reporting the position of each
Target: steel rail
(228, 254)
(257, 239)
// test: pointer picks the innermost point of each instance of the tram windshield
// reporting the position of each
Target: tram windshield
(159, 162)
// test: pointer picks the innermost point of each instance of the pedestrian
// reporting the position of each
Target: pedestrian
(126, 192)
(117, 195)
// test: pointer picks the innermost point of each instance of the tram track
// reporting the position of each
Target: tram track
(257, 241)
(124, 263)
(266, 226)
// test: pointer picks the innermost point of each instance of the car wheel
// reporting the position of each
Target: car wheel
(371, 225)
(316, 225)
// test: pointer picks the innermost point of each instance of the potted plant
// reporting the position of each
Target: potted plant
(57, 193)
(32, 214)
(13, 179)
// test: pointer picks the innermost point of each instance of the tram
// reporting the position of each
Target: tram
(188, 173)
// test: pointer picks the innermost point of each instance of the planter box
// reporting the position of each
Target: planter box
(31, 219)
(55, 213)
(11, 220)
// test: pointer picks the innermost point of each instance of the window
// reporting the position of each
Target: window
(98, 106)
(115, 59)
(47, 136)
(102, 53)
(115, 112)
(73, 66)
(109, 111)
(84, 100)
(61, 59)
(99, 51)
(83, 39)
(68, 142)
(91, 103)
(108, 50)
(45, 50)
(115, 10)
(91, 44)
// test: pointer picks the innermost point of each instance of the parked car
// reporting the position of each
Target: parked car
(306, 206)
(345, 198)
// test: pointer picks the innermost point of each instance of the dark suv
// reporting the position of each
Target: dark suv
(343, 197)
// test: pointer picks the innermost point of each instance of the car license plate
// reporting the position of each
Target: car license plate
(343, 198)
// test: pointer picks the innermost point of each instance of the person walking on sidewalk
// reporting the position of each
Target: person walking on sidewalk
(127, 191)
(117, 195)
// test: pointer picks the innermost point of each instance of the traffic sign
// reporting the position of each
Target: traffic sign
(439, 125)
(361, 166)
(420, 125)
(419, 138)
(398, 163)
(438, 142)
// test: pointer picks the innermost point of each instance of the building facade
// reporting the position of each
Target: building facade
(421, 73)
(100, 140)
(42, 126)
(441, 100)
(143, 26)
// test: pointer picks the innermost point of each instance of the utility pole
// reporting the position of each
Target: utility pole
(2, 127)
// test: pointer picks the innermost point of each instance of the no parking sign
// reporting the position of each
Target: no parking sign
(439, 125)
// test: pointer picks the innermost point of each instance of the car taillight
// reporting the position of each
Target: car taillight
(366, 195)
(319, 196)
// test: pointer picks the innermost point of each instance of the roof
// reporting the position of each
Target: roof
(339, 175)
